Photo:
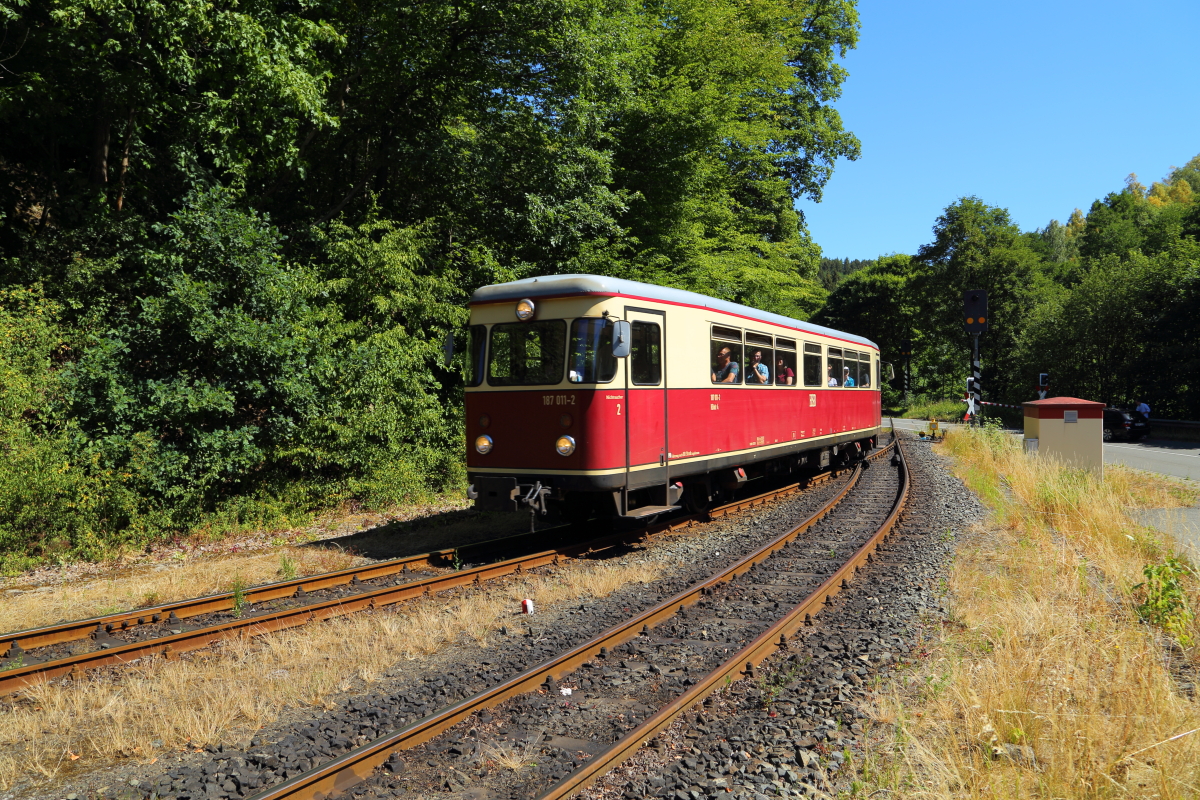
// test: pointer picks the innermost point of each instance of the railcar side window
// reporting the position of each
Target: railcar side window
(475, 368)
(833, 373)
(591, 359)
(785, 362)
(812, 365)
(864, 370)
(849, 369)
(645, 354)
(878, 380)
(760, 364)
(725, 355)
(527, 353)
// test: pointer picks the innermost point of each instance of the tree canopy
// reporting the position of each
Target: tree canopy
(1103, 303)
(241, 230)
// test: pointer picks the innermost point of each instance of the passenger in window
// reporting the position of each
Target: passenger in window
(847, 381)
(759, 372)
(832, 378)
(864, 376)
(726, 370)
(783, 373)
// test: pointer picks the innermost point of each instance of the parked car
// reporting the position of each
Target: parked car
(1121, 425)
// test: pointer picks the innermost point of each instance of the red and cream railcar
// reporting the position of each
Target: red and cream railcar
(586, 388)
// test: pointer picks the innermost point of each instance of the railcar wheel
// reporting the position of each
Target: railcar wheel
(695, 498)
(579, 507)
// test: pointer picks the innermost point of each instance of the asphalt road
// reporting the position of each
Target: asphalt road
(1181, 459)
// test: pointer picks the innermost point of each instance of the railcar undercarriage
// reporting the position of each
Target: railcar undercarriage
(649, 493)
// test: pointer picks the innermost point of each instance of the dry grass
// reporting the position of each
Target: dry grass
(227, 694)
(147, 587)
(511, 756)
(1045, 682)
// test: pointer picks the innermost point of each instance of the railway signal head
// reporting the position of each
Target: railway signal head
(1043, 379)
(906, 346)
(975, 310)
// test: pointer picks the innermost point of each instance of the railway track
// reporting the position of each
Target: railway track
(168, 630)
(714, 632)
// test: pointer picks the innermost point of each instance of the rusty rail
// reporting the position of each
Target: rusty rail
(260, 623)
(340, 774)
(738, 666)
(80, 629)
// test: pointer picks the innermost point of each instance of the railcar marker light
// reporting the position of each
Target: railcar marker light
(565, 445)
(483, 444)
(525, 310)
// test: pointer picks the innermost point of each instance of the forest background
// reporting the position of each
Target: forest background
(235, 236)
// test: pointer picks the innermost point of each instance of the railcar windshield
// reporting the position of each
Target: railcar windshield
(591, 359)
(527, 353)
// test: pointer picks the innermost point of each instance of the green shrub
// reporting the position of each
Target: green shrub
(941, 410)
(1163, 601)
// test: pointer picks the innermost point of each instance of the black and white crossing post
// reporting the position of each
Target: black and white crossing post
(975, 317)
(906, 346)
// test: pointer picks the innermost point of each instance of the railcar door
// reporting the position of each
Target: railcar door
(646, 412)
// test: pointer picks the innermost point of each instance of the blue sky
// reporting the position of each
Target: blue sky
(1038, 107)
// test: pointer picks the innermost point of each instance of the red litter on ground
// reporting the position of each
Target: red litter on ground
(526, 606)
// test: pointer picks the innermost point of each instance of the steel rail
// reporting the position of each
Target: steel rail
(740, 665)
(338, 775)
(64, 632)
(369, 597)
(224, 601)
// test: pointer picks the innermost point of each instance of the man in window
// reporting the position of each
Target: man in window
(726, 370)
(846, 379)
(759, 372)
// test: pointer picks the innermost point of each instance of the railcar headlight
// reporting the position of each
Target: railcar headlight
(483, 444)
(565, 445)
(525, 310)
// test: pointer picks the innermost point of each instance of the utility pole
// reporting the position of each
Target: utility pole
(975, 317)
(906, 346)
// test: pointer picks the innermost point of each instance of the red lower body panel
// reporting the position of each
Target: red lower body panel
(675, 424)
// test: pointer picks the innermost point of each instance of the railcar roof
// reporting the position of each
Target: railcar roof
(565, 285)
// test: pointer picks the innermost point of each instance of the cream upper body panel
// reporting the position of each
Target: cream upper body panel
(688, 329)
